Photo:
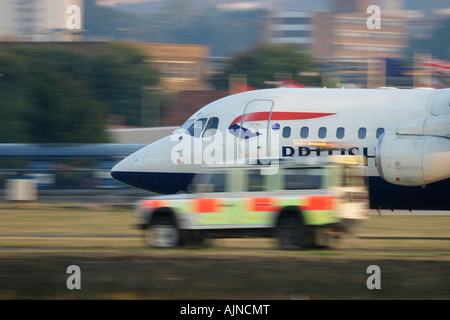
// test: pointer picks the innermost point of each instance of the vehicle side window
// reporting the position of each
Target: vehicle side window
(255, 181)
(286, 132)
(218, 181)
(196, 128)
(340, 133)
(302, 178)
(211, 127)
(322, 132)
(209, 182)
(380, 131)
(304, 132)
(362, 133)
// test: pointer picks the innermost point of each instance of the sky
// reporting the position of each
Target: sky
(113, 2)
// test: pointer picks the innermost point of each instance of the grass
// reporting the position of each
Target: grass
(24, 225)
(61, 219)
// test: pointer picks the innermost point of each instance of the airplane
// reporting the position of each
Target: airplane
(403, 133)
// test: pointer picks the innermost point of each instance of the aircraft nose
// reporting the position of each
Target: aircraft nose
(136, 169)
(123, 171)
(124, 165)
(151, 168)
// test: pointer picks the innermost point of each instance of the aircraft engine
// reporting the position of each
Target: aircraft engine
(416, 153)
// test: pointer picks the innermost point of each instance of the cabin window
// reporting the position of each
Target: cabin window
(362, 133)
(211, 127)
(286, 132)
(304, 132)
(340, 133)
(380, 131)
(322, 133)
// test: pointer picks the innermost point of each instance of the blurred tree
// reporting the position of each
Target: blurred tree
(57, 106)
(118, 78)
(62, 111)
(13, 98)
(52, 94)
(267, 62)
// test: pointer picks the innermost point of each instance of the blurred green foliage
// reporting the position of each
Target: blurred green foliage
(268, 62)
(55, 94)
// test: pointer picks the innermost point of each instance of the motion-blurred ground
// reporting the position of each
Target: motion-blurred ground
(39, 241)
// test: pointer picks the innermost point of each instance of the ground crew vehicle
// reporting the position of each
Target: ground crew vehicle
(301, 205)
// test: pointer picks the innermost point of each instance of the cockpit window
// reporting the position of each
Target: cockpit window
(196, 128)
(211, 127)
(185, 126)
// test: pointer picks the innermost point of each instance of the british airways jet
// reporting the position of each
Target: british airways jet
(403, 133)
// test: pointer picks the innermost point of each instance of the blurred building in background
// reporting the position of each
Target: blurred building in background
(186, 103)
(334, 32)
(290, 27)
(351, 51)
(182, 66)
(41, 20)
(348, 6)
(349, 37)
(340, 39)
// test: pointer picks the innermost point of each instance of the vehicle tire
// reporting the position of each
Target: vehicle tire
(291, 233)
(162, 233)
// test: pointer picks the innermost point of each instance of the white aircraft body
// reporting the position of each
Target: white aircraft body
(403, 133)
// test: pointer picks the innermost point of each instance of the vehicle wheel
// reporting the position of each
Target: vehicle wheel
(162, 234)
(291, 233)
